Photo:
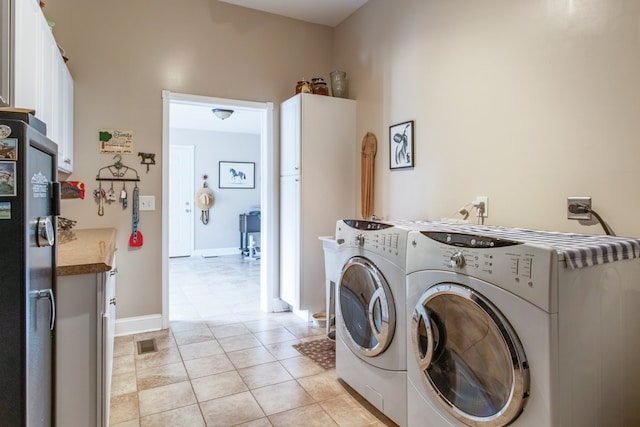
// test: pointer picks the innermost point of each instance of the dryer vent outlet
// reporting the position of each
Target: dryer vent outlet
(579, 208)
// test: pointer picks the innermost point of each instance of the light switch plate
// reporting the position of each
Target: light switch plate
(147, 203)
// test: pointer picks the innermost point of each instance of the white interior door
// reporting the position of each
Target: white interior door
(181, 196)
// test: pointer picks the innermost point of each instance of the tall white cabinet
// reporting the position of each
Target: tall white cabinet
(317, 187)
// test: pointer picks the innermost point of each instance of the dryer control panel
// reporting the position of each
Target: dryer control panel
(469, 240)
(381, 238)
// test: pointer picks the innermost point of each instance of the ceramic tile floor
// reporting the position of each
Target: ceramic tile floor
(226, 363)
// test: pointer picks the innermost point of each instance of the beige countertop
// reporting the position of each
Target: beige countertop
(85, 251)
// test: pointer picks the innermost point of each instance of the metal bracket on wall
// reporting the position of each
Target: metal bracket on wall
(118, 172)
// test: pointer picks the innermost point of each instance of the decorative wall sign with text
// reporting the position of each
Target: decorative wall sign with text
(116, 141)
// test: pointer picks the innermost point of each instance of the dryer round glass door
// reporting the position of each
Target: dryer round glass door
(366, 306)
(469, 356)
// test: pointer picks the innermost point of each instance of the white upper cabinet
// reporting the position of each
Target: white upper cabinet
(41, 79)
(65, 119)
(27, 59)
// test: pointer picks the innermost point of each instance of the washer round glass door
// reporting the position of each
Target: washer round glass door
(469, 356)
(367, 306)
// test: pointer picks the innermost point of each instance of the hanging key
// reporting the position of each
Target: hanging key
(111, 195)
(123, 197)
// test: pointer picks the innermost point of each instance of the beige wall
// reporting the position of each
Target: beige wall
(124, 53)
(526, 102)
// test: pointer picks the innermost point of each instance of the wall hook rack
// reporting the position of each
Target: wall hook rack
(118, 171)
(147, 159)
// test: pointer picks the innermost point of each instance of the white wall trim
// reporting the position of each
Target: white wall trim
(216, 252)
(277, 306)
(270, 212)
(166, 102)
(139, 324)
(269, 265)
(303, 314)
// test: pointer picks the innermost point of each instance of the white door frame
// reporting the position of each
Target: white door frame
(269, 198)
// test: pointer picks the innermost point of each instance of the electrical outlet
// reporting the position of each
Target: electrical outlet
(579, 208)
(485, 200)
(147, 203)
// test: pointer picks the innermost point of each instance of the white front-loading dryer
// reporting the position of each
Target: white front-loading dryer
(500, 331)
(370, 313)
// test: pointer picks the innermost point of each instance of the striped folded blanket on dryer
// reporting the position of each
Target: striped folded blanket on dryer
(579, 250)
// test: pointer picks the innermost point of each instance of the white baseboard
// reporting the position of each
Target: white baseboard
(137, 325)
(303, 314)
(216, 252)
(277, 306)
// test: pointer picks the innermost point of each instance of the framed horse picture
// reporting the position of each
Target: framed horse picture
(401, 145)
(236, 175)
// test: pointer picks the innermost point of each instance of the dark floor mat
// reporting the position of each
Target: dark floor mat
(321, 351)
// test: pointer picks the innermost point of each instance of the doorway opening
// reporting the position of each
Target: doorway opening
(199, 115)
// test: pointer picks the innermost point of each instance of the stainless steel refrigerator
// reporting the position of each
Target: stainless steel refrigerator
(29, 204)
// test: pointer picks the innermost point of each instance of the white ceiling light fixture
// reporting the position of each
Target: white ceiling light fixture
(222, 113)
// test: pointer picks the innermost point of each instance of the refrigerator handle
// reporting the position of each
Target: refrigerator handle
(52, 301)
(47, 293)
(55, 202)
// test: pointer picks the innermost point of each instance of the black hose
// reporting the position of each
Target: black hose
(604, 225)
(580, 208)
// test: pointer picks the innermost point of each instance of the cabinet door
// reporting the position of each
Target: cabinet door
(5, 53)
(78, 349)
(65, 119)
(41, 80)
(27, 54)
(108, 332)
(46, 110)
(290, 240)
(290, 136)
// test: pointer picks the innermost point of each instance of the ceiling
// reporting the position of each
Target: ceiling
(325, 12)
(200, 117)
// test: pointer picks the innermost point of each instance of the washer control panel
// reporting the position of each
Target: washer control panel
(381, 238)
(366, 225)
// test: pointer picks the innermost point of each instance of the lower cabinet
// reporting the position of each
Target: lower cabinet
(84, 333)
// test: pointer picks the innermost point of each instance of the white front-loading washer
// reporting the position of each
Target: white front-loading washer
(370, 313)
(510, 326)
